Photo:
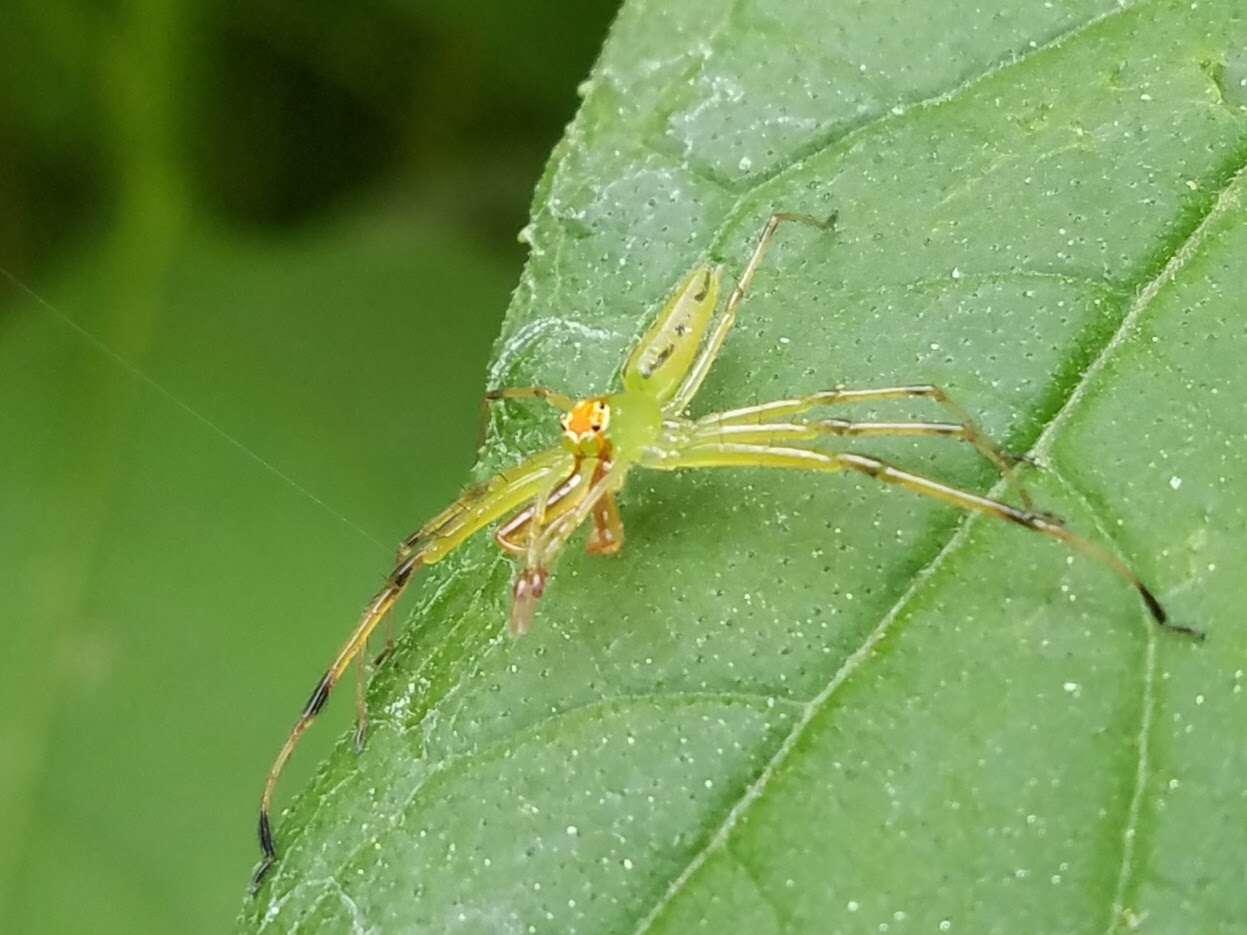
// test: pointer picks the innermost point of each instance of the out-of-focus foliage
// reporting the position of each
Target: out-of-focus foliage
(806, 704)
(299, 220)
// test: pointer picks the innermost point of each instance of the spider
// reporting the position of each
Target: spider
(552, 493)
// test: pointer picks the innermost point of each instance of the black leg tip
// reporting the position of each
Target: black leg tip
(257, 875)
(1153, 606)
(1194, 633)
(268, 854)
(1161, 617)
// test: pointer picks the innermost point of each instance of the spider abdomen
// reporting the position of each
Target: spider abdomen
(659, 362)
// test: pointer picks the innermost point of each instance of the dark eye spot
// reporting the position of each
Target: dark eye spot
(596, 426)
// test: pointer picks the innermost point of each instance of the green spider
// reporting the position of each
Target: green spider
(557, 490)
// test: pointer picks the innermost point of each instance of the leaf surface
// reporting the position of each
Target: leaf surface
(808, 704)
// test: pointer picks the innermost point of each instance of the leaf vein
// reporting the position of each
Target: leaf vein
(1226, 199)
(840, 133)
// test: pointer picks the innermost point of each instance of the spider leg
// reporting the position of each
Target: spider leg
(769, 433)
(514, 535)
(479, 507)
(765, 433)
(544, 548)
(557, 400)
(718, 334)
(607, 535)
(514, 485)
(361, 706)
(606, 538)
(376, 609)
(361, 680)
(530, 581)
(391, 632)
(771, 456)
(840, 395)
(543, 529)
(388, 647)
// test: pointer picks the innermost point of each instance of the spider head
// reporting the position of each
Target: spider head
(584, 427)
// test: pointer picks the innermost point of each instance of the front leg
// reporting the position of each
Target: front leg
(542, 520)
(607, 535)
(544, 547)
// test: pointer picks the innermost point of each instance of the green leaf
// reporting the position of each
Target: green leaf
(808, 704)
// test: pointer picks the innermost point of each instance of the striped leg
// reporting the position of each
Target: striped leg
(970, 431)
(530, 583)
(477, 508)
(742, 455)
(530, 580)
(377, 608)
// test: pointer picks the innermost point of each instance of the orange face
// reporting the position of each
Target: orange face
(584, 428)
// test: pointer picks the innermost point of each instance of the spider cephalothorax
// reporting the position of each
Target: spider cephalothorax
(552, 493)
(585, 425)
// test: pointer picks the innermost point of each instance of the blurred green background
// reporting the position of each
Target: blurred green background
(292, 224)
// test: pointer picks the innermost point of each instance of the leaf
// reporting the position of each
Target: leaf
(807, 704)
